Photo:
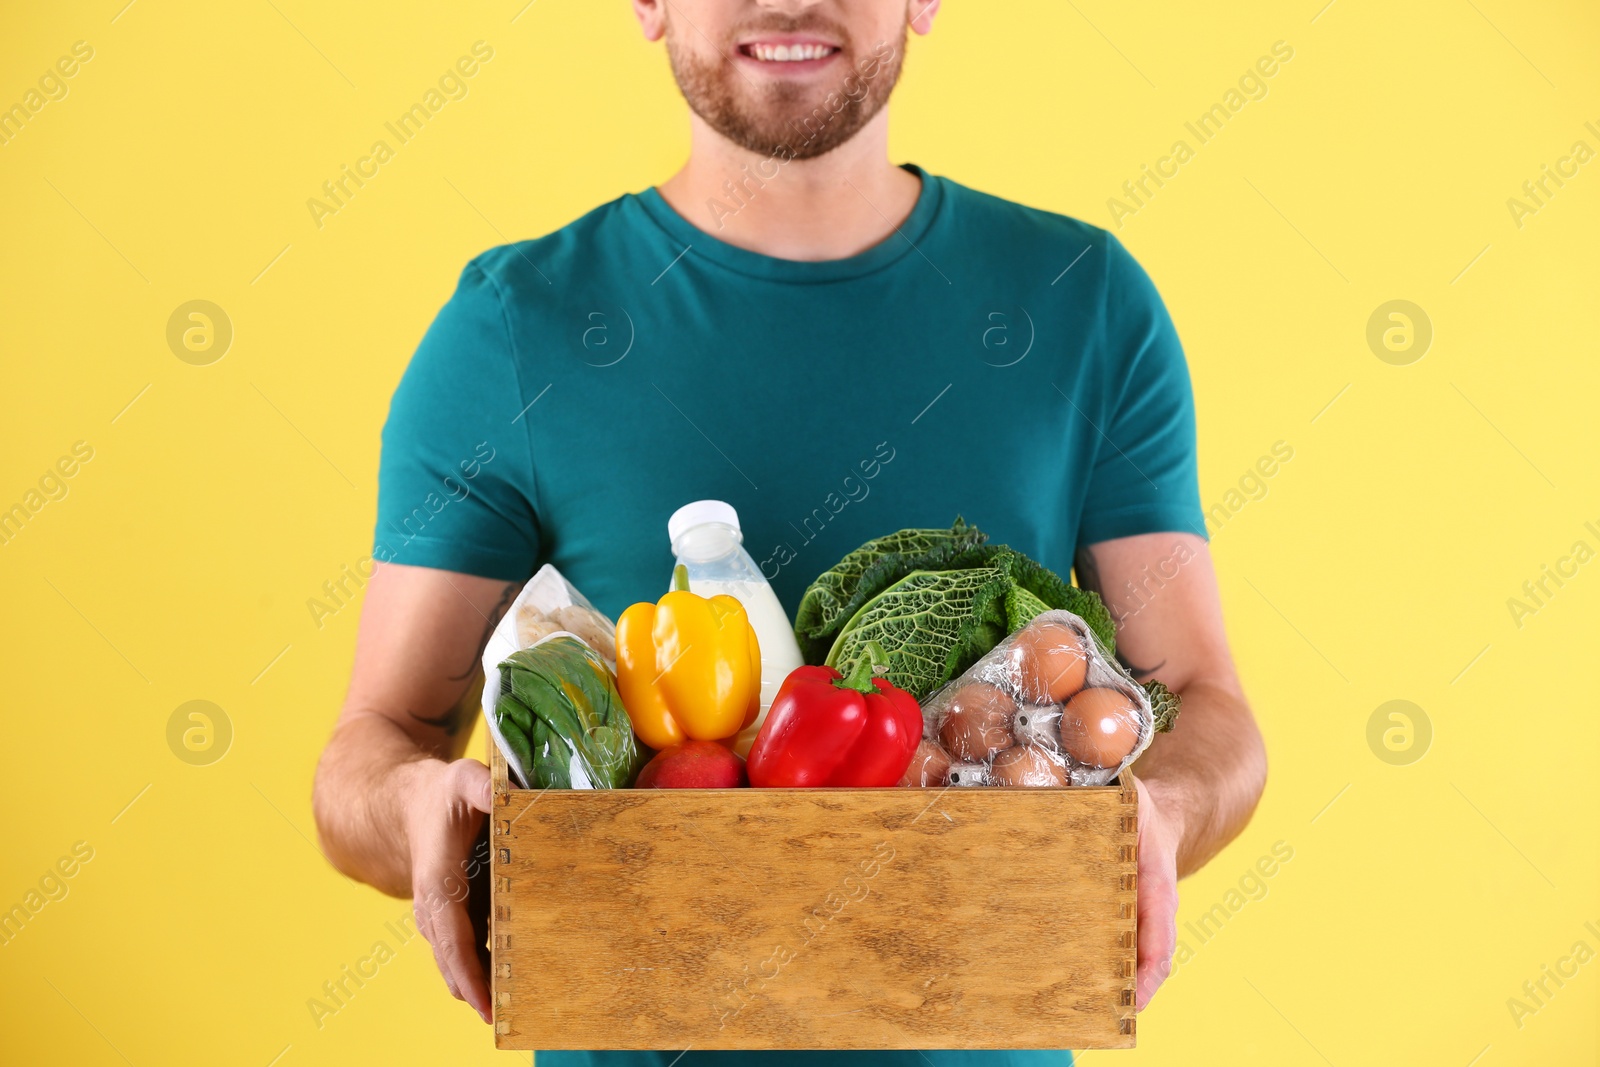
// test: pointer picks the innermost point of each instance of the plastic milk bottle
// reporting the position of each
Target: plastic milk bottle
(706, 539)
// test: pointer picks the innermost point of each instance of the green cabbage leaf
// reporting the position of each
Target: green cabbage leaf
(838, 593)
(937, 601)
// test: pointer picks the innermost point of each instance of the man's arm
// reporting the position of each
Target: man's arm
(1200, 783)
(395, 806)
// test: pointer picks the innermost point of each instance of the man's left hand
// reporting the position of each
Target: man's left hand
(1158, 893)
(1199, 783)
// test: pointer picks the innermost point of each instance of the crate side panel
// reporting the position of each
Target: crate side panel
(814, 919)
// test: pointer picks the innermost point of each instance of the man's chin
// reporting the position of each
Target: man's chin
(791, 118)
(791, 143)
(798, 130)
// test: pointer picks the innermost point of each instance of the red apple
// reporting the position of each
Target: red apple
(693, 765)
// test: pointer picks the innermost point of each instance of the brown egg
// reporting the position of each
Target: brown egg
(1026, 765)
(1100, 726)
(930, 766)
(1038, 724)
(977, 721)
(1048, 661)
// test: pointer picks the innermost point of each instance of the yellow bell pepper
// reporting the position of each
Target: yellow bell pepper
(688, 667)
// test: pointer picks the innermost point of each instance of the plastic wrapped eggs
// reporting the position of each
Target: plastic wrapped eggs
(1100, 727)
(977, 721)
(1046, 707)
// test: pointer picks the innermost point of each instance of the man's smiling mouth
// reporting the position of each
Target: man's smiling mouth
(786, 52)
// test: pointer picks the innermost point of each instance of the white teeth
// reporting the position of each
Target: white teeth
(789, 53)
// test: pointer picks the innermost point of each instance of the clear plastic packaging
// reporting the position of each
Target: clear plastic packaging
(560, 713)
(1044, 708)
(549, 691)
(549, 604)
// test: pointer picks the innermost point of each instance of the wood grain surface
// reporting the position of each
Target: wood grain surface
(813, 919)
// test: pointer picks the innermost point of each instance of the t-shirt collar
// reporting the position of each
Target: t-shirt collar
(896, 246)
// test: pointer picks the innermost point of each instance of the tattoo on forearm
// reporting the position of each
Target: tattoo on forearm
(1141, 673)
(461, 711)
(1087, 571)
(451, 721)
(490, 621)
(458, 714)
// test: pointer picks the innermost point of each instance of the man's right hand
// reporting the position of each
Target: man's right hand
(444, 820)
(396, 808)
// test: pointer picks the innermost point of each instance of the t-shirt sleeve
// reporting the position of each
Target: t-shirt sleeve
(455, 479)
(1145, 477)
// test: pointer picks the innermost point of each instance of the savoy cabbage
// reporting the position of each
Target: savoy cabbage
(936, 600)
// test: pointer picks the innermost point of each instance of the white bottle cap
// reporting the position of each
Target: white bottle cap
(689, 516)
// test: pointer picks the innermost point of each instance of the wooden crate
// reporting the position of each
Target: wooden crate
(813, 918)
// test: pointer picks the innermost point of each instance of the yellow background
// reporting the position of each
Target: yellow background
(1377, 567)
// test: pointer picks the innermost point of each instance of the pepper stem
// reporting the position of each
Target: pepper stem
(874, 662)
(680, 579)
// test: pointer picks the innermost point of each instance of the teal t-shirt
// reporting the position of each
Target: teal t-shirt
(988, 360)
(1006, 364)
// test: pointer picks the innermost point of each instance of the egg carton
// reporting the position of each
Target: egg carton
(1045, 707)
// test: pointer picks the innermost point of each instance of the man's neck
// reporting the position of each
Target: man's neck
(830, 207)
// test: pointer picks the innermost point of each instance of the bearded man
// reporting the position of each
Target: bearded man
(785, 313)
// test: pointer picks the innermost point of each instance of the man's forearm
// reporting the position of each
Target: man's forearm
(1208, 773)
(367, 772)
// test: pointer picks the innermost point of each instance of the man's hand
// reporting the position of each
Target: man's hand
(395, 806)
(1199, 784)
(1158, 895)
(444, 821)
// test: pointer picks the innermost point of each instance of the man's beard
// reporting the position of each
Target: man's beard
(786, 119)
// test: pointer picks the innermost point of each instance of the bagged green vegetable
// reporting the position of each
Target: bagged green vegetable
(560, 714)
(937, 601)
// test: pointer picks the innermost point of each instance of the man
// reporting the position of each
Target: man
(838, 347)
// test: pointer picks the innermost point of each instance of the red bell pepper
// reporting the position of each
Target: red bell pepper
(825, 729)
